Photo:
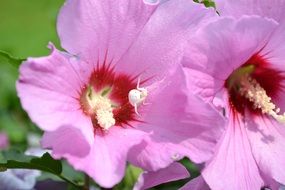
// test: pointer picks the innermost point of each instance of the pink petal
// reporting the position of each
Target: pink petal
(273, 52)
(197, 183)
(161, 42)
(267, 139)
(49, 89)
(274, 49)
(174, 121)
(130, 34)
(233, 166)
(237, 8)
(175, 171)
(91, 29)
(107, 158)
(66, 140)
(222, 46)
(4, 141)
(270, 183)
(202, 84)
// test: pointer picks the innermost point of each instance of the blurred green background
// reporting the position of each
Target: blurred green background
(26, 27)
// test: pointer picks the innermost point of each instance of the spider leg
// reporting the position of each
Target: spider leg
(138, 84)
(136, 109)
(145, 103)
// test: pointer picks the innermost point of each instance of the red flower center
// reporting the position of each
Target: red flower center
(254, 82)
(105, 98)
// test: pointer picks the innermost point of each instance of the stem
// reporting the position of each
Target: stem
(69, 181)
(86, 182)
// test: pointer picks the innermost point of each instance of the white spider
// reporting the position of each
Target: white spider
(137, 96)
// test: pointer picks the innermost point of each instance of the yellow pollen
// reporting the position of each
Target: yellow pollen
(251, 89)
(103, 109)
(105, 118)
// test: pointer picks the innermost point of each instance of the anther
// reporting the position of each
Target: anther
(251, 89)
(102, 108)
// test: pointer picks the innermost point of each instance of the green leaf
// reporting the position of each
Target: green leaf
(207, 3)
(191, 167)
(6, 58)
(45, 163)
(131, 176)
(15, 160)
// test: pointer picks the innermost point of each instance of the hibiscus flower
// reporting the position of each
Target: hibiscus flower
(120, 84)
(239, 64)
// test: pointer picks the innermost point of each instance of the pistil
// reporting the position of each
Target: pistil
(101, 107)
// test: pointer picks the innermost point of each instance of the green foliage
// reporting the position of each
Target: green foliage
(131, 176)
(6, 58)
(70, 173)
(207, 3)
(15, 160)
(27, 26)
(191, 167)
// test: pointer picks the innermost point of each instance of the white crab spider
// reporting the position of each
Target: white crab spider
(137, 96)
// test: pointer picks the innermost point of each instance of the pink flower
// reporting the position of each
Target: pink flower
(120, 83)
(175, 171)
(241, 64)
(4, 141)
(197, 183)
(237, 8)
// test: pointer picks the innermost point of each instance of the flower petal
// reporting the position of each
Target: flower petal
(106, 160)
(273, 54)
(270, 183)
(197, 183)
(237, 8)
(267, 139)
(233, 161)
(49, 89)
(220, 47)
(175, 171)
(90, 29)
(130, 34)
(66, 140)
(174, 121)
(160, 44)
(273, 50)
